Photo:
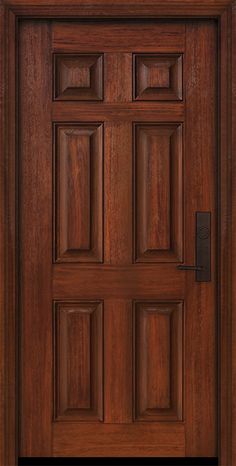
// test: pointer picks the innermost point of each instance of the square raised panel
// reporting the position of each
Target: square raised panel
(158, 330)
(157, 77)
(78, 193)
(78, 328)
(78, 77)
(158, 194)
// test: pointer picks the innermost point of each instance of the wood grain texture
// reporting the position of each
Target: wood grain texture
(78, 172)
(133, 111)
(226, 243)
(119, 67)
(78, 77)
(117, 37)
(147, 281)
(135, 440)
(150, 4)
(157, 77)
(78, 361)
(8, 235)
(118, 361)
(233, 145)
(201, 324)
(192, 10)
(118, 281)
(149, 9)
(158, 353)
(158, 169)
(137, 9)
(3, 339)
(36, 237)
(118, 193)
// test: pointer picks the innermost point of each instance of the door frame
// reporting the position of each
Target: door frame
(224, 13)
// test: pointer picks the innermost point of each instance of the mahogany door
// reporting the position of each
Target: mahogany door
(117, 153)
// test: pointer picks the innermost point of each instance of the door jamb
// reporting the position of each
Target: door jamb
(224, 12)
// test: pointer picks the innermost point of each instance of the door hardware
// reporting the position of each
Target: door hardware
(203, 248)
(189, 267)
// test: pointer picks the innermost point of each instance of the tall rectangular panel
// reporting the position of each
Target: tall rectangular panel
(158, 193)
(78, 360)
(78, 210)
(158, 352)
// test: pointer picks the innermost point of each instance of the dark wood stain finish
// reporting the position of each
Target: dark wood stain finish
(78, 354)
(158, 77)
(200, 177)
(117, 37)
(35, 236)
(122, 427)
(78, 197)
(78, 77)
(118, 241)
(158, 391)
(135, 440)
(158, 193)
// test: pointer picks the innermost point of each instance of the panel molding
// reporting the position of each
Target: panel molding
(157, 76)
(78, 192)
(78, 360)
(158, 192)
(78, 76)
(158, 377)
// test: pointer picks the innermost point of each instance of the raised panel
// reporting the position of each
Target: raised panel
(78, 213)
(158, 193)
(157, 77)
(158, 352)
(78, 360)
(78, 77)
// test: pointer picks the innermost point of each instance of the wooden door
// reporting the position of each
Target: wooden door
(117, 153)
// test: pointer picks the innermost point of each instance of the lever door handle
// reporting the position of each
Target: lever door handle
(190, 267)
(202, 248)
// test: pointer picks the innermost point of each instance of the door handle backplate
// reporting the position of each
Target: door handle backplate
(203, 248)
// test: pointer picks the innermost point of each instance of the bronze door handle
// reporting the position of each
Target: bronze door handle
(202, 248)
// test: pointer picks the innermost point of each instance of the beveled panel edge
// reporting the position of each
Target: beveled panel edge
(100, 84)
(173, 255)
(91, 258)
(176, 415)
(177, 95)
(95, 415)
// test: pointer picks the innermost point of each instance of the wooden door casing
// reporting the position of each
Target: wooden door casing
(11, 14)
(128, 279)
